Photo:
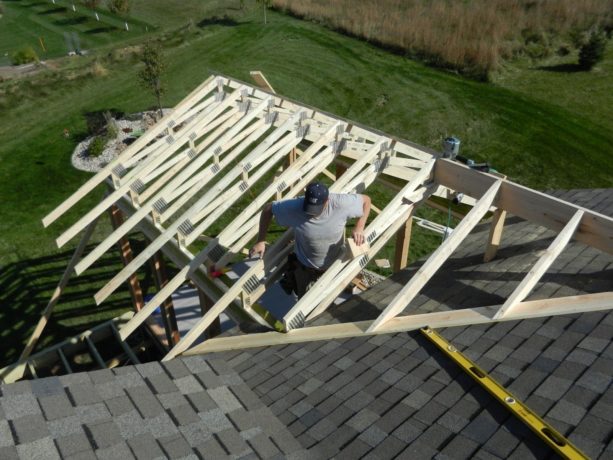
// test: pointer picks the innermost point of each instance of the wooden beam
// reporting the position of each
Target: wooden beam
(261, 81)
(436, 260)
(142, 141)
(55, 297)
(403, 241)
(452, 318)
(596, 229)
(167, 308)
(493, 241)
(541, 266)
(205, 306)
(125, 251)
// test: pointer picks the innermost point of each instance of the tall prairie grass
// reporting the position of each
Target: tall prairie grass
(469, 35)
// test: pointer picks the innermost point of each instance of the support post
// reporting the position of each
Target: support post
(205, 305)
(403, 241)
(167, 308)
(493, 241)
(126, 256)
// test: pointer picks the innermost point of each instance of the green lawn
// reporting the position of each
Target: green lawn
(529, 124)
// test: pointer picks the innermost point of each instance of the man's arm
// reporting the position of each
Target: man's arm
(259, 248)
(358, 230)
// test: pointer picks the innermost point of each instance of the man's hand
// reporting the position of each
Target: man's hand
(258, 250)
(358, 230)
(358, 235)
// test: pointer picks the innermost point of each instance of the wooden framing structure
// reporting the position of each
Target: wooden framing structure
(203, 164)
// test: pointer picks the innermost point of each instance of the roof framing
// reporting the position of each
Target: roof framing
(194, 166)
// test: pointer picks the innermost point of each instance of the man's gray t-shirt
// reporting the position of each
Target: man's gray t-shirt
(318, 239)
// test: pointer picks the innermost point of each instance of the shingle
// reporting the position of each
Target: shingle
(29, 428)
(161, 383)
(202, 401)
(435, 436)
(460, 447)
(595, 381)
(183, 415)
(149, 369)
(362, 420)
(417, 399)
(188, 384)
(119, 405)
(321, 429)
(408, 431)
(72, 444)
(65, 426)
(101, 376)
(196, 364)
(103, 434)
(145, 447)
(453, 421)
(430, 412)
(210, 380)
(56, 406)
(82, 394)
(595, 429)
(263, 446)
(481, 428)
(212, 449)
(355, 449)
(41, 448)
(114, 452)
(130, 424)
(196, 433)
(47, 387)
(20, 405)
(215, 420)
(389, 448)
(553, 387)
(567, 412)
(176, 369)
(232, 442)
(160, 426)
(145, 402)
(224, 398)
(373, 436)
(6, 437)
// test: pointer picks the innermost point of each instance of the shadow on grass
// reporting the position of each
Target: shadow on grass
(562, 68)
(71, 21)
(101, 30)
(59, 9)
(26, 287)
(226, 21)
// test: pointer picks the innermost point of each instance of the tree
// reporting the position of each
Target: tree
(266, 4)
(150, 76)
(592, 52)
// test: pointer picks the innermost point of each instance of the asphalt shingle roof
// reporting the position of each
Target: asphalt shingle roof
(383, 396)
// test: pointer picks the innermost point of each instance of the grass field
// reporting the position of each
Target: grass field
(545, 128)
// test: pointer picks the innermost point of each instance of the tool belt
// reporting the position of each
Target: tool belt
(293, 279)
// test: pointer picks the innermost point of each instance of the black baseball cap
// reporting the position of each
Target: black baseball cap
(315, 198)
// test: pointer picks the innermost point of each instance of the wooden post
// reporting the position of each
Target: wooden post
(167, 308)
(403, 241)
(126, 256)
(205, 305)
(493, 241)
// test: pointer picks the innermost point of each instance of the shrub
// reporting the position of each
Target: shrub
(593, 51)
(96, 146)
(91, 3)
(119, 6)
(24, 55)
(1, 8)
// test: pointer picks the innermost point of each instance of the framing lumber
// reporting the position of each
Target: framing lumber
(436, 260)
(541, 266)
(167, 308)
(452, 318)
(55, 297)
(403, 242)
(495, 236)
(596, 229)
(142, 141)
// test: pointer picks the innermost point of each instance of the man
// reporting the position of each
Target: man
(318, 220)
